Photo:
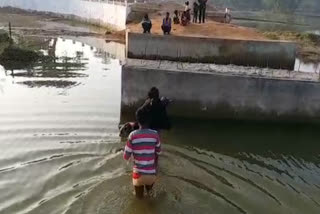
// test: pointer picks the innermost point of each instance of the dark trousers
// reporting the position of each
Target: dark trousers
(140, 190)
(195, 17)
(166, 29)
(146, 27)
(202, 14)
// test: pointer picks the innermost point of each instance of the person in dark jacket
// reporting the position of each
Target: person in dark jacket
(157, 108)
(195, 12)
(146, 24)
(187, 11)
(202, 10)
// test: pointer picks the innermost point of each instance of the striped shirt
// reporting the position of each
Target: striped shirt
(144, 145)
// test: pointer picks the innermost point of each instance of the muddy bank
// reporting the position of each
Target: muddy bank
(49, 24)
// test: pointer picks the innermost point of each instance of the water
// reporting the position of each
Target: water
(61, 152)
(277, 21)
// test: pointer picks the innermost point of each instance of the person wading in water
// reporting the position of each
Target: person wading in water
(143, 146)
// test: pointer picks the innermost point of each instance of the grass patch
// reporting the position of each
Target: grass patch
(308, 43)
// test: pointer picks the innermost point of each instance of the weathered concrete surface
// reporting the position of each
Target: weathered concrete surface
(272, 54)
(101, 13)
(209, 94)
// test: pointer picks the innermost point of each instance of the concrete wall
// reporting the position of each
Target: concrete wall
(107, 14)
(207, 95)
(272, 54)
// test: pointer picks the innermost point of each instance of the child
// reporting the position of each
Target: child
(195, 12)
(186, 7)
(184, 18)
(187, 11)
(144, 145)
(176, 19)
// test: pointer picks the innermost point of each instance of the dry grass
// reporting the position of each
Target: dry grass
(308, 43)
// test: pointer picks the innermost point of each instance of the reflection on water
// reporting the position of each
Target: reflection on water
(61, 152)
(58, 126)
(51, 83)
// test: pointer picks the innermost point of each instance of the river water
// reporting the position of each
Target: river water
(60, 150)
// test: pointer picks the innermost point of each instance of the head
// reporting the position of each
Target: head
(176, 12)
(125, 130)
(187, 3)
(153, 93)
(167, 15)
(146, 16)
(143, 117)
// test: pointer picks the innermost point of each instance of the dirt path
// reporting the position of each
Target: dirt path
(209, 29)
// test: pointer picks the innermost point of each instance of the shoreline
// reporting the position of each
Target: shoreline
(50, 24)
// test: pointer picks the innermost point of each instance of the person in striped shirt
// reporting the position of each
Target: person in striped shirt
(144, 146)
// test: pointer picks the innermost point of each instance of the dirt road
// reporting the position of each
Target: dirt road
(209, 29)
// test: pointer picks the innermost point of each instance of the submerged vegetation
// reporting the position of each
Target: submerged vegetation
(308, 43)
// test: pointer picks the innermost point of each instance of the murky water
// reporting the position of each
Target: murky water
(61, 152)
